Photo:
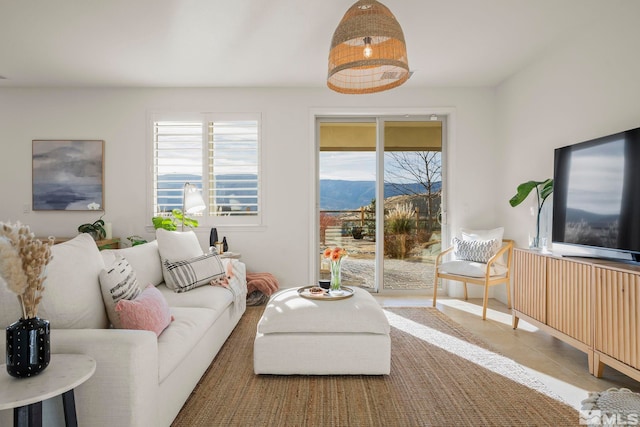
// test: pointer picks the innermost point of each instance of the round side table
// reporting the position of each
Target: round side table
(25, 395)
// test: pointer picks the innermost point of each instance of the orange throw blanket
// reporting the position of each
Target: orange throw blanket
(260, 286)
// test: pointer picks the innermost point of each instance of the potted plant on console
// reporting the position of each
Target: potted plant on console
(95, 229)
(543, 190)
(175, 220)
(23, 259)
(192, 202)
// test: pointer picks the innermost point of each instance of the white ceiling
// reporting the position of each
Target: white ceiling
(268, 43)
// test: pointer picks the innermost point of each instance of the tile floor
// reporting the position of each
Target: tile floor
(559, 366)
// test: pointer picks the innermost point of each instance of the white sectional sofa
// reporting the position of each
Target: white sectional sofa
(141, 379)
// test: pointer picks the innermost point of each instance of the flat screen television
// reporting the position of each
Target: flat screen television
(596, 197)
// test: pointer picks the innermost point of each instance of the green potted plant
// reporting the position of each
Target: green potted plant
(136, 240)
(172, 222)
(356, 232)
(95, 229)
(543, 190)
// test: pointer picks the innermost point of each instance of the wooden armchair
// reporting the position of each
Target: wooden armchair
(492, 274)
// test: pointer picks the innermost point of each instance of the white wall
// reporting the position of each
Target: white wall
(584, 87)
(281, 247)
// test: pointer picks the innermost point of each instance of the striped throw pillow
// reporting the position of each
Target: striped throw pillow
(182, 276)
(118, 282)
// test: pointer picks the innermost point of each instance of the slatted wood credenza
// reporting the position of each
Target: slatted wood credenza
(591, 304)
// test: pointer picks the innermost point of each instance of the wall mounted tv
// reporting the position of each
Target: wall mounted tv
(596, 197)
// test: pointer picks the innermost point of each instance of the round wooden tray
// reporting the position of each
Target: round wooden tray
(326, 296)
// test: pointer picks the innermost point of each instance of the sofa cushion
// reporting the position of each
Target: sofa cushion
(215, 298)
(144, 260)
(72, 298)
(148, 312)
(188, 274)
(118, 281)
(180, 338)
(10, 310)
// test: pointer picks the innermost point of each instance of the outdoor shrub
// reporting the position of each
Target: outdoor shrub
(398, 246)
(423, 236)
(401, 219)
(326, 220)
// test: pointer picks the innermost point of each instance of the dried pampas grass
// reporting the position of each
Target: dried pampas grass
(23, 259)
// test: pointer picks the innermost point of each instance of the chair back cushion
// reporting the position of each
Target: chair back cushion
(471, 235)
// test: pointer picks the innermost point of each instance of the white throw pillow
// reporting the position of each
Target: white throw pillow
(475, 250)
(72, 298)
(144, 260)
(118, 282)
(471, 269)
(176, 246)
(495, 233)
(185, 275)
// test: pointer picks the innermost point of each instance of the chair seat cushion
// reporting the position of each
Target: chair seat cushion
(471, 268)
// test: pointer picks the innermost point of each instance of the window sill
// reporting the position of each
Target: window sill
(205, 229)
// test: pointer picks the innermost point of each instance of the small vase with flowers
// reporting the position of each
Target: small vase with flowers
(23, 259)
(335, 256)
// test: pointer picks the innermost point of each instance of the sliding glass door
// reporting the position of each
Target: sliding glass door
(347, 187)
(391, 244)
(412, 190)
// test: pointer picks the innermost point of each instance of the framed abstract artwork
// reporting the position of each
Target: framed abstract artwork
(68, 175)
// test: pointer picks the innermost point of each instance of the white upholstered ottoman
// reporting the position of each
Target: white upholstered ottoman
(311, 337)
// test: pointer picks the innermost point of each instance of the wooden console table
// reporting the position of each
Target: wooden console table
(591, 304)
(108, 243)
(102, 244)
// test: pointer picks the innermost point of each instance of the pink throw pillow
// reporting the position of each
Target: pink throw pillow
(149, 311)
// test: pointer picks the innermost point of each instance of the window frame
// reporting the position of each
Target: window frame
(205, 219)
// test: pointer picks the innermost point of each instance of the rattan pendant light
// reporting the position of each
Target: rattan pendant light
(368, 52)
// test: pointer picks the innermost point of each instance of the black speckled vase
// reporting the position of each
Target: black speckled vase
(28, 347)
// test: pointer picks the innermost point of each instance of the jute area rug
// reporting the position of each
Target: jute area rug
(441, 375)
